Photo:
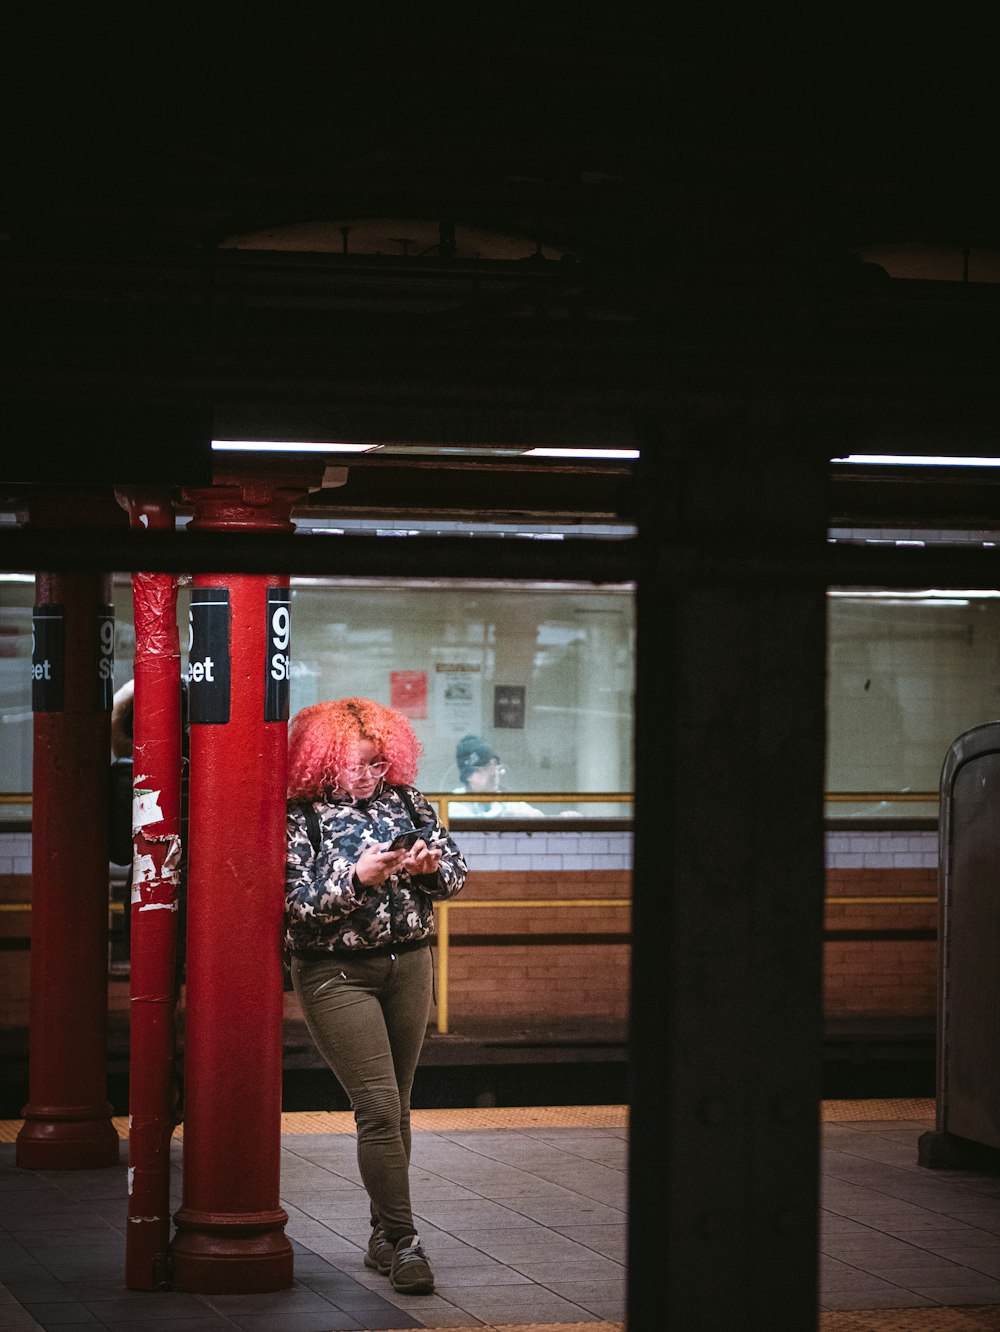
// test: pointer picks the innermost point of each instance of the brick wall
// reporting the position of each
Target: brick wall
(15, 925)
(880, 957)
(546, 970)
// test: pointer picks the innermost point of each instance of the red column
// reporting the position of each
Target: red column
(156, 828)
(67, 1121)
(230, 1227)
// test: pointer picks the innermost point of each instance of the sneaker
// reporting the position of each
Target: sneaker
(411, 1273)
(380, 1251)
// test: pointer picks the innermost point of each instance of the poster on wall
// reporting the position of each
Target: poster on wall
(458, 696)
(408, 693)
(508, 707)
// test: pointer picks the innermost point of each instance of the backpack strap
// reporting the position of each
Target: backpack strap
(404, 795)
(312, 818)
(312, 824)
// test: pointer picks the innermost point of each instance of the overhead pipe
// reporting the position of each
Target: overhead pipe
(156, 867)
(595, 559)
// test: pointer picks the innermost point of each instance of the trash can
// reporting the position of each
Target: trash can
(968, 1020)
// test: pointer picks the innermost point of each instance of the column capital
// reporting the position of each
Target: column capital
(252, 496)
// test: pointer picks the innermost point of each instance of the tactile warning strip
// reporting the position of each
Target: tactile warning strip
(912, 1320)
(531, 1327)
(845, 1111)
(492, 1117)
(427, 1121)
(535, 1116)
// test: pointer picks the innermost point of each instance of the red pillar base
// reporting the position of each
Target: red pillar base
(67, 1138)
(216, 1254)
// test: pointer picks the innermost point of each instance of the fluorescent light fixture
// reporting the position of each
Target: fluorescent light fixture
(915, 460)
(581, 453)
(927, 596)
(16, 578)
(289, 446)
(917, 601)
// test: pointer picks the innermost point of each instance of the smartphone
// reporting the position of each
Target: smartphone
(404, 840)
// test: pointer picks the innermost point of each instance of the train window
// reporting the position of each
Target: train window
(543, 677)
(537, 680)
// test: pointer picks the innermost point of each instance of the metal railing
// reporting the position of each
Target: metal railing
(877, 797)
(443, 912)
(444, 799)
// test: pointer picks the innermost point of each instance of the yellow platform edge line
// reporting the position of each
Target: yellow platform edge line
(528, 1327)
(539, 1117)
(533, 1327)
(967, 1318)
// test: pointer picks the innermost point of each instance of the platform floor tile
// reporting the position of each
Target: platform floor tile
(523, 1210)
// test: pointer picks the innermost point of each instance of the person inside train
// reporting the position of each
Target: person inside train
(367, 859)
(482, 773)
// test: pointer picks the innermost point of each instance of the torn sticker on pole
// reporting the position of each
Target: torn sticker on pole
(145, 808)
(155, 886)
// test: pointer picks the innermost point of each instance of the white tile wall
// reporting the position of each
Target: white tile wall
(547, 850)
(606, 850)
(886, 850)
(15, 853)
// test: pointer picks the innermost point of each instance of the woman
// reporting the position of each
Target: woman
(359, 922)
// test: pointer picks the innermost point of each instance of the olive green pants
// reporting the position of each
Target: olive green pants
(368, 1018)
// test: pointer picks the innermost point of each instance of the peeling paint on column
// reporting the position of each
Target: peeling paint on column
(145, 808)
(157, 884)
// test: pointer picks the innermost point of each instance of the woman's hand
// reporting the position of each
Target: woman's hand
(376, 864)
(421, 859)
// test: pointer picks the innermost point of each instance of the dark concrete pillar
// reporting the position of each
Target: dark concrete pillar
(726, 997)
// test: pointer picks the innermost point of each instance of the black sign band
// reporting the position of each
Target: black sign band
(209, 656)
(278, 661)
(105, 657)
(48, 657)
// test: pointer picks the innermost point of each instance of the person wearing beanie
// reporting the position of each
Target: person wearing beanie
(481, 773)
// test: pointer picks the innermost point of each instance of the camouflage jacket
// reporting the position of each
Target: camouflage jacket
(325, 907)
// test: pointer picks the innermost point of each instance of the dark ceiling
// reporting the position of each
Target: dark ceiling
(624, 132)
(676, 163)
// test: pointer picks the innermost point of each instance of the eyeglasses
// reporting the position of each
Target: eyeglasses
(376, 768)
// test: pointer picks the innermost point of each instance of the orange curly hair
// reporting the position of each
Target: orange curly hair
(324, 738)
